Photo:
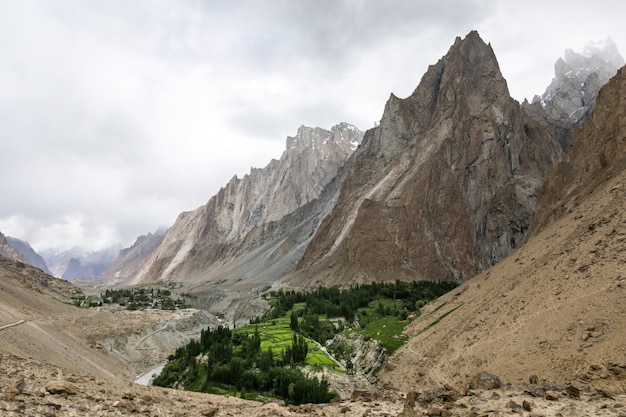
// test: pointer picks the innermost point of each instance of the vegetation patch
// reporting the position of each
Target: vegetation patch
(135, 298)
(266, 357)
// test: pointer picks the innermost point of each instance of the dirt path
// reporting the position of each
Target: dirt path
(6, 326)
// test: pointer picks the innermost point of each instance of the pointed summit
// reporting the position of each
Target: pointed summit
(444, 187)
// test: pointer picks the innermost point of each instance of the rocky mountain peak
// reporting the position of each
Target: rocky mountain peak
(469, 70)
(320, 140)
(311, 160)
(444, 186)
(570, 97)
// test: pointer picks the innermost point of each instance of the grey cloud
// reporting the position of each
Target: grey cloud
(123, 114)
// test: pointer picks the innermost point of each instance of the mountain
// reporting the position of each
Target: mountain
(570, 97)
(443, 188)
(9, 251)
(32, 258)
(237, 234)
(555, 307)
(78, 263)
(130, 260)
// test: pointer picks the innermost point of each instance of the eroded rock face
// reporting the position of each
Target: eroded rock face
(251, 204)
(444, 187)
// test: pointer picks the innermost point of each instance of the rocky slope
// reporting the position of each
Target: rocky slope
(554, 308)
(205, 244)
(41, 324)
(444, 187)
(30, 256)
(570, 97)
(34, 388)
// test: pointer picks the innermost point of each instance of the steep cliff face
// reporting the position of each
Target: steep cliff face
(555, 307)
(444, 187)
(251, 204)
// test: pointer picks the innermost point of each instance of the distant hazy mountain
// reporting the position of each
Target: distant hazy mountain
(9, 251)
(578, 77)
(78, 263)
(130, 260)
(32, 258)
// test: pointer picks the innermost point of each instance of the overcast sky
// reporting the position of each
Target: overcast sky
(117, 115)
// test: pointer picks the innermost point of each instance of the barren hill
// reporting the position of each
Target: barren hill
(36, 323)
(554, 308)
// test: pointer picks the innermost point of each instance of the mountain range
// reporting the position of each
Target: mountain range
(444, 187)
(459, 182)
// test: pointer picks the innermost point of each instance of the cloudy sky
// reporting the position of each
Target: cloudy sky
(117, 115)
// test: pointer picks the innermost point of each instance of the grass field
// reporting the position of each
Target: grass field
(388, 332)
(276, 334)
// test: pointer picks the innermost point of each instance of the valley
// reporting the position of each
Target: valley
(464, 257)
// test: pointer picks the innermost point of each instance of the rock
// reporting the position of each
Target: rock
(606, 394)
(552, 396)
(409, 404)
(11, 393)
(363, 395)
(485, 380)
(533, 380)
(572, 391)
(526, 406)
(209, 412)
(434, 411)
(536, 391)
(447, 395)
(61, 387)
(515, 407)
(20, 385)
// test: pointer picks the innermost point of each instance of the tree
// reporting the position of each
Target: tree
(294, 321)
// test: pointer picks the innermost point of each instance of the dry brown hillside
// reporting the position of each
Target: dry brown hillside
(555, 308)
(36, 321)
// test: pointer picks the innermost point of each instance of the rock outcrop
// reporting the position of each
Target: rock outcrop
(202, 244)
(444, 187)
